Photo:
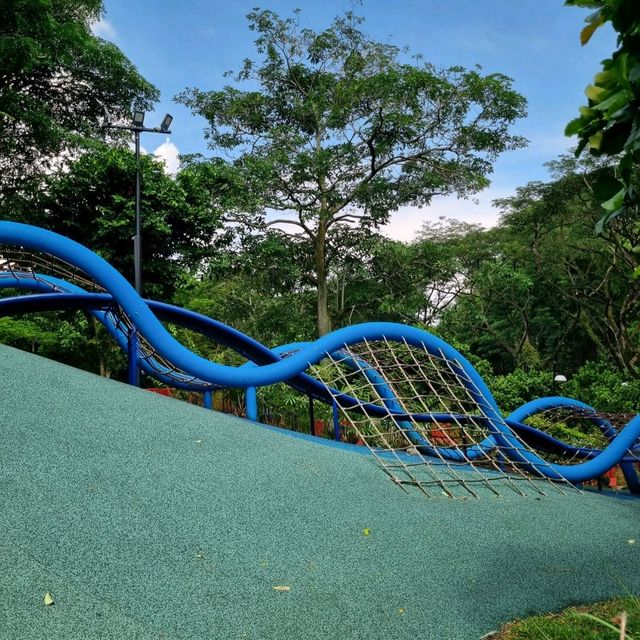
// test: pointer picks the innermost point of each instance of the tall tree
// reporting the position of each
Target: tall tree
(547, 290)
(337, 129)
(55, 77)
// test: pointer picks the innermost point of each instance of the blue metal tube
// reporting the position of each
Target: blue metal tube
(132, 359)
(555, 402)
(251, 403)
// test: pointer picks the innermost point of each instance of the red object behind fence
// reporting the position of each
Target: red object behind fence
(161, 391)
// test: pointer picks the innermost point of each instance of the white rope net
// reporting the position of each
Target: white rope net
(581, 428)
(425, 422)
(20, 264)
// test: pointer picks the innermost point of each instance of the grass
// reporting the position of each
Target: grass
(593, 622)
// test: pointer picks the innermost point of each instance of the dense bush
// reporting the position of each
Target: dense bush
(596, 383)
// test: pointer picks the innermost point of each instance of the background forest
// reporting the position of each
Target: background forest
(278, 232)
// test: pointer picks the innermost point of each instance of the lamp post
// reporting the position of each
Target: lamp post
(137, 126)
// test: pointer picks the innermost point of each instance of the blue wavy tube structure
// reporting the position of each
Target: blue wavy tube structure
(176, 365)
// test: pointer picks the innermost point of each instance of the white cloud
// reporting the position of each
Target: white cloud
(169, 154)
(407, 221)
(103, 29)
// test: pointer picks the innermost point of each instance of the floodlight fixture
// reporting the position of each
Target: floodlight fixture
(166, 123)
(138, 118)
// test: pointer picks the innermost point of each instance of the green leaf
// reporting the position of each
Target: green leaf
(606, 187)
(633, 141)
(573, 127)
(634, 73)
(614, 102)
(595, 140)
(616, 201)
(604, 221)
(594, 93)
(580, 148)
(596, 20)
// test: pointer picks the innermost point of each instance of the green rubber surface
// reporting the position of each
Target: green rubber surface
(145, 517)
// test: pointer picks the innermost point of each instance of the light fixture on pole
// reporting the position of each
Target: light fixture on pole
(558, 380)
(138, 118)
(166, 123)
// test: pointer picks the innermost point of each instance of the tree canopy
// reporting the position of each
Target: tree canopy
(92, 202)
(337, 130)
(56, 77)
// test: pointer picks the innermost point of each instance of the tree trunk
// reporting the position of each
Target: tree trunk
(324, 319)
(104, 369)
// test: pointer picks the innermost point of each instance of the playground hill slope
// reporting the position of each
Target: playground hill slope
(145, 517)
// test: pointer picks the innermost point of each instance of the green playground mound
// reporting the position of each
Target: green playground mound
(146, 517)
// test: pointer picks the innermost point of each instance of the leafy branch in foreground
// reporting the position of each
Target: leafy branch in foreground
(609, 124)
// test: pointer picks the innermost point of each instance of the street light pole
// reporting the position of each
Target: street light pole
(137, 126)
(137, 239)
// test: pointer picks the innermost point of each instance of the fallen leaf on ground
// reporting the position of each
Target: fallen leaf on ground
(48, 600)
(367, 531)
(281, 588)
(631, 541)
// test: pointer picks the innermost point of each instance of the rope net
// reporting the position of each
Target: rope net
(19, 264)
(425, 421)
(581, 429)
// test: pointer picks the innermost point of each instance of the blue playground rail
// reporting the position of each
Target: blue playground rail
(133, 322)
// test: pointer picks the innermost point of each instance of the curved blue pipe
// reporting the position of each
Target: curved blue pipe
(557, 402)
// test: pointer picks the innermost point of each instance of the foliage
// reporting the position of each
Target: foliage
(577, 433)
(514, 389)
(339, 130)
(387, 280)
(599, 384)
(72, 338)
(93, 202)
(545, 290)
(585, 623)
(605, 388)
(55, 77)
(610, 122)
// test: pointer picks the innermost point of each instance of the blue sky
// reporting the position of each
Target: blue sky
(191, 43)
